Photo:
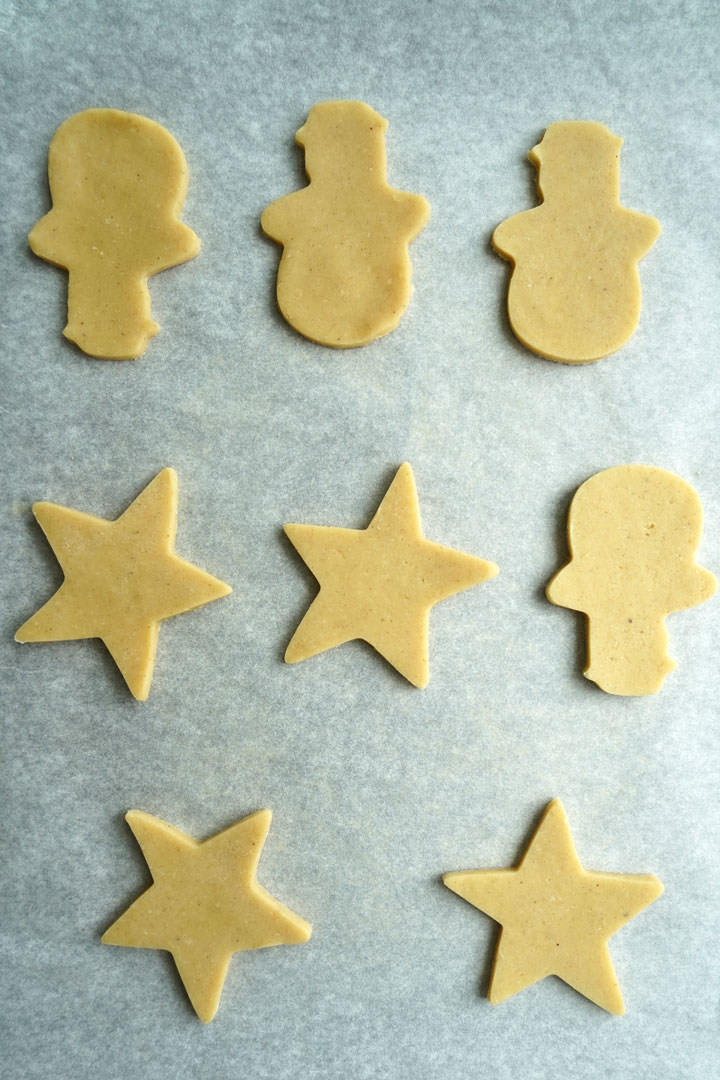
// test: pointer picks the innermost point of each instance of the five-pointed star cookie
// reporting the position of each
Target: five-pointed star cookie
(556, 917)
(379, 583)
(122, 578)
(205, 903)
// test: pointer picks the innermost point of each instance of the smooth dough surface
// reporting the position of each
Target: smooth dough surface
(379, 583)
(118, 183)
(122, 578)
(632, 533)
(574, 293)
(205, 903)
(556, 917)
(345, 275)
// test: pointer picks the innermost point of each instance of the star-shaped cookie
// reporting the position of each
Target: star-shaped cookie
(205, 903)
(122, 578)
(378, 584)
(556, 917)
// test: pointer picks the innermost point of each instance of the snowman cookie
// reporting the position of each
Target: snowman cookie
(574, 292)
(345, 274)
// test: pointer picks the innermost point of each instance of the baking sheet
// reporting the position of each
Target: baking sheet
(376, 788)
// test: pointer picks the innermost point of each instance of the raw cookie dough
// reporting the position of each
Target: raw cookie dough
(556, 917)
(632, 532)
(379, 583)
(121, 579)
(118, 183)
(574, 292)
(345, 274)
(205, 903)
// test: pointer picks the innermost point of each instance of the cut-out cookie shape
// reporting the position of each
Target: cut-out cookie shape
(574, 292)
(378, 584)
(205, 903)
(118, 183)
(345, 275)
(556, 916)
(632, 533)
(122, 578)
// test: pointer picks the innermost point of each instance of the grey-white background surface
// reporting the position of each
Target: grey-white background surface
(377, 788)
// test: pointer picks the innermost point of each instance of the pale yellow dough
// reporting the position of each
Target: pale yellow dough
(379, 583)
(205, 903)
(632, 532)
(556, 917)
(118, 183)
(122, 578)
(345, 275)
(574, 292)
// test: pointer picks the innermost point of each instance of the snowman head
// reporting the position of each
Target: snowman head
(344, 141)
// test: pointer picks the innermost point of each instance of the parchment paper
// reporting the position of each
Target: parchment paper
(376, 788)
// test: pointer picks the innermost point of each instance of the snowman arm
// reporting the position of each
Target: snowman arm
(504, 238)
(642, 232)
(413, 213)
(275, 218)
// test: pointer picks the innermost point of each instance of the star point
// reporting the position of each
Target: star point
(205, 903)
(122, 578)
(378, 584)
(556, 916)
